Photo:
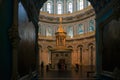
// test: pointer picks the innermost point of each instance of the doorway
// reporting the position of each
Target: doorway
(62, 65)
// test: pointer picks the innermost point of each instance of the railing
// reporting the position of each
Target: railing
(80, 36)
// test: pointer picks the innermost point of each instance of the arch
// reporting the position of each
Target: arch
(49, 6)
(91, 54)
(90, 44)
(80, 54)
(69, 6)
(49, 47)
(70, 47)
(79, 46)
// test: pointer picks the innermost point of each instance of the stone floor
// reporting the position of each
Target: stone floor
(82, 74)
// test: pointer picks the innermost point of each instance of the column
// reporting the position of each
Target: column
(65, 6)
(55, 7)
(39, 54)
(77, 5)
(74, 5)
(85, 3)
(75, 29)
(98, 51)
(44, 30)
(50, 58)
(86, 26)
(64, 41)
(91, 48)
(14, 36)
(57, 41)
(39, 63)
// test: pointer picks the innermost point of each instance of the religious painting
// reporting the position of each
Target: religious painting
(48, 31)
(91, 26)
(70, 31)
(80, 29)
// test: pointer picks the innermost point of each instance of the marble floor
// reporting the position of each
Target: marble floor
(82, 74)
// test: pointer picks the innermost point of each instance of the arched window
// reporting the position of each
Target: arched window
(59, 8)
(70, 7)
(80, 53)
(80, 29)
(81, 4)
(91, 55)
(91, 25)
(49, 7)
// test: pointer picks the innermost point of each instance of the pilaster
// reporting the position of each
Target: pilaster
(14, 37)
(65, 3)
(75, 5)
(99, 50)
(55, 7)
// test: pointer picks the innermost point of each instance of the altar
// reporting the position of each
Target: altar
(60, 54)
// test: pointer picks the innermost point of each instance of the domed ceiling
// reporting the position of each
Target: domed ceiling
(64, 6)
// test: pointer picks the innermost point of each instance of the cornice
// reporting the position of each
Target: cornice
(77, 37)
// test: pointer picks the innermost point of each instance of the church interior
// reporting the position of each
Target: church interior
(60, 39)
